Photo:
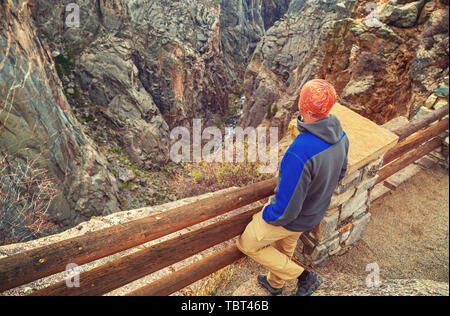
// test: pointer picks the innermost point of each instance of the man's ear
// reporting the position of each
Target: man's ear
(300, 117)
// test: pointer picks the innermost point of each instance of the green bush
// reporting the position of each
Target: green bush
(63, 65)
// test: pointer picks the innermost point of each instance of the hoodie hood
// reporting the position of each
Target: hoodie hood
(328, 129)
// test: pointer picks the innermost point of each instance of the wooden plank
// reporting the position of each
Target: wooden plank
(122, 271)
(401, 176)
(420, 123)
(407, 159)
(415, 140)
(188, 275)
(34, 264)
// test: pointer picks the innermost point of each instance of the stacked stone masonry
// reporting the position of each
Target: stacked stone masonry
(346, 219)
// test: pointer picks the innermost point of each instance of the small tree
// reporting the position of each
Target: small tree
(26, 194)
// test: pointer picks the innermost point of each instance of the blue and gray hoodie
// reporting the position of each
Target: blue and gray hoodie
(309, 173)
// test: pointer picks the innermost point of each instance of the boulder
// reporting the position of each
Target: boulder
(401, 14)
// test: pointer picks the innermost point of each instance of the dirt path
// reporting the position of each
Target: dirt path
(408, 238)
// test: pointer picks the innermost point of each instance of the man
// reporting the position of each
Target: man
(309, 173)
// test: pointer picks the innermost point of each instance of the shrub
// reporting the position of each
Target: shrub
(26, 194)
(271, 110)
(274, 110)
(203, 177)
(63, 65)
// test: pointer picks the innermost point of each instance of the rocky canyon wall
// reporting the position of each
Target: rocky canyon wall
(37, 124)
(384, 58)
(153, 65)
(144, 66)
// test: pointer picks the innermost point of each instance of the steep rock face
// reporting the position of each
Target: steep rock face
(272, 11)
(431, 59)
(145, 66)
(154, 65)
(105, 74)
(381, 66)
(244, 22)
(288, 55)
(242, 26)
(177, 52)
(36, 123)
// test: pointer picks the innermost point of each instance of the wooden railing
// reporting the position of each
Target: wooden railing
(34, 264)
(38, 263)
(416, 139)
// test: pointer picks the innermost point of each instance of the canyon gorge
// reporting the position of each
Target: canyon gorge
(133, 70)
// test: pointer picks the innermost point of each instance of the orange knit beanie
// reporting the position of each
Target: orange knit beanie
(317, 98)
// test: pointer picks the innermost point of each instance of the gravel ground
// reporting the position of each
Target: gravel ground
(408, 238)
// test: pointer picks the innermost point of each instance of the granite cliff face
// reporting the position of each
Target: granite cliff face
(37, 124)
(384, 58)
(152, 65)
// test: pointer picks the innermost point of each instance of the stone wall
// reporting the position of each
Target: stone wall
(346, 219)
(349, 212)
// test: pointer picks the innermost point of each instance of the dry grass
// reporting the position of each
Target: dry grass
(210, 285)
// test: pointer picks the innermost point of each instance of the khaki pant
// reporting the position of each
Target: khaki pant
(273, 247)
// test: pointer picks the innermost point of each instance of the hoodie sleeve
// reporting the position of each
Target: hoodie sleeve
(293, 186)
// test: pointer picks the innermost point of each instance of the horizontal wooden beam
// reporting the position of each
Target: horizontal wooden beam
(40, 262)
(190, 274)
(124, 270)
(415, 140)
(420, 123)
(408, 158)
